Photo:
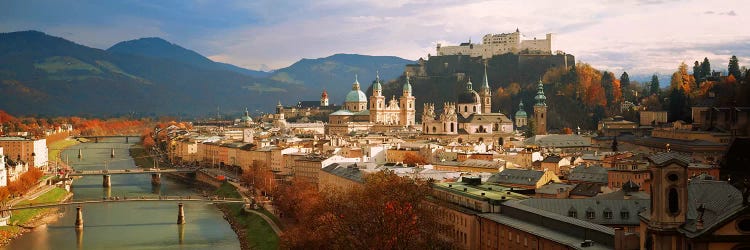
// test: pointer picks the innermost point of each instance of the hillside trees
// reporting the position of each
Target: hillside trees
(625, 87)
(682, 80)
(654, 88)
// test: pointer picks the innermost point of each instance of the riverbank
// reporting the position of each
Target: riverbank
(252, 230)
(21, 221)
(55, 152)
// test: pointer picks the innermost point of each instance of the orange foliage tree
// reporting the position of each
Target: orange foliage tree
(387, 212)
(413, 159)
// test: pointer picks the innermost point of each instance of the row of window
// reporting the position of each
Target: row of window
(591, 214)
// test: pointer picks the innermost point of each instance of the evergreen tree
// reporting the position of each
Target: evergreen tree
(705, 68)
(678, 105)
(530, 127)
(655, 85)
(734, 67)
(625, 86)
(697, 71)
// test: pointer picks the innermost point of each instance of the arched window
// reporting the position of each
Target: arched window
(452, 127)
(433, 129)
(466, 109)
(674, 201)
(475, 108)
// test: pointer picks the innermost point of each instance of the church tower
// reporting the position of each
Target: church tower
(408, 109)
(521, 117)
(356, 100)
(669, 194)
(485, 94)
(377, 102)
(324, 99)
(540, 110)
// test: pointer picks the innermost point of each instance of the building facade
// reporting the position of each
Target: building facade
(498, 44)
(31, 151)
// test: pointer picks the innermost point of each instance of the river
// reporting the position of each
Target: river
(129, 225)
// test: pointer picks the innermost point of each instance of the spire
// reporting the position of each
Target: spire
(376, 85)
(325, 94)
(355, 85)
(540, 97)
(247, 113)
(468, 84)
(278, 104)
(520, 105)
(486, 82)
(407, 85)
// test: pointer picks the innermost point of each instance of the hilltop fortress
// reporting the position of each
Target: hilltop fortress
(498, 44)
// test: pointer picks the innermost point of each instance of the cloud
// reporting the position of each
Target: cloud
(640, 36)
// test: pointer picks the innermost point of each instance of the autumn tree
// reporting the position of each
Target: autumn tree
(297, 199)
(682, 80)
(386, 212)
(412, 159)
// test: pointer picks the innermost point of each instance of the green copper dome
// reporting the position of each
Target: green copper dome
(376, 85)
(356, 95)
(521, 112)
(468, 96)
(407, 85)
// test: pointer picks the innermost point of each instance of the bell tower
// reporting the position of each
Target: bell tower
(408, 106)
(669, 208)
(377, 101)
(540, 110)
(485, 94)
(324, 99)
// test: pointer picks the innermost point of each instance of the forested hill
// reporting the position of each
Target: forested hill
(47, 75)
(511, 77)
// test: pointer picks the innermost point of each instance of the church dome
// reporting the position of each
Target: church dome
(521, 112)
(356, 95)
(468, 95)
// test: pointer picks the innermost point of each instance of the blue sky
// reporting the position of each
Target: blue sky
(638, 36)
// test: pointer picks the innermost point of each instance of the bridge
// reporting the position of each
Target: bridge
(96, 137)
(155, 173)
(79, 208)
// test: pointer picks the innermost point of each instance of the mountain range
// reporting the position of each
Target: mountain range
(46, 75)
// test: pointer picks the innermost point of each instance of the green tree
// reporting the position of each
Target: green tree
(625, 86)
(530, 127)
(697, 71)
(734, 67)
(654, 85)
(705, 68)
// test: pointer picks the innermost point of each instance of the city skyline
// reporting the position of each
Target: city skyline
(641, 37)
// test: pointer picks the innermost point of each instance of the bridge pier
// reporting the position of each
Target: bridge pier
(112, 155)
(106, 180)
(79, 218)
(156, 179)
(127, 139)
(180, 214)
(80, 154)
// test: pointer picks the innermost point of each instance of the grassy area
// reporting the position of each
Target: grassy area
(56, 147)
(227, 190)
(22, 216)
(272, 216)
(258, 233)
(141, 157)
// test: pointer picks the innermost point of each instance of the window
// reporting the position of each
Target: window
(590, 214)
(674, 202)
(466, 109)
(608, 214)
(572, 213)
(624, 215)
(475, 108)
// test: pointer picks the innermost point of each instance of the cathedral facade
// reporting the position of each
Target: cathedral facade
(471, 114)
(381, 115)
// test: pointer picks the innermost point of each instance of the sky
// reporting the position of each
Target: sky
(638, 36)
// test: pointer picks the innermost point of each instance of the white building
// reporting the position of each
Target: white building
(498, 44)
(3, 172)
